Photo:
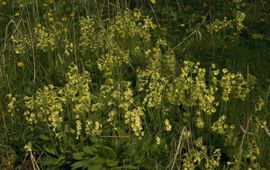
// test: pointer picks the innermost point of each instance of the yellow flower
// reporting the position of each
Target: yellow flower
(168, 126)
(64, 19)
(153, 26)
(51, 19)
(225, 70)
(50, 14)
(153, 1)
(51, 1)
(20, 64)
(257, 36)
(72, 14)
(157, 140)
(17, 14)
(22, 5)
(4, 3)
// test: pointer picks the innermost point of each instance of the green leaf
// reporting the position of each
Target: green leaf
(97, 161)
(89, 150)
(108, 152)
(111, 163)
(148, 164)
(95, 167)
(130, 167)
(50, 149)
(78, 155)
(49, 160)
(44, 137)
(79, 164)
(94, 140)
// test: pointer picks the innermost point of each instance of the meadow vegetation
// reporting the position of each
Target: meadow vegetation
(126, 84)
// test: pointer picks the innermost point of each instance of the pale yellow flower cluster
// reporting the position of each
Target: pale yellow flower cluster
(133, 118)
(112, 61)
(45, 107)
(218, 25)
(199, 156)
(11, 103)
(235, 23)
(158, 140)
(21, 43)
(221, 127)
(233, 83)
(239, 19)
(132, 24)
(253, 152)
(77, 91)
(259, 104)
(257, 36)
(190, 89)
(78, 126)
(168, 126)
(46, 38)
(119, 97)
(93, 128)
(154, 93)
(150, 80)
(89, 39)
(68, 47)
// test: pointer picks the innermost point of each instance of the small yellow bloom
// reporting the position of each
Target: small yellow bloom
(49, 14)
(153, 26)
(257, 36)
(72, 14)
(64, 19)
(20, 64)
(225, 71)
(4, 3)
(157, 140)
(153, 1)
(168, 126)
(21, 5)
(51, 19)
(17, 14)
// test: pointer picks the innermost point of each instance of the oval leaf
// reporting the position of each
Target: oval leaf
(130, 167)
(97, 161)
(44, 137)
(78, 155)
(111, 163)
(89, 150)
(50, 150)
(108, 152)
(95, 167)
(78, 164)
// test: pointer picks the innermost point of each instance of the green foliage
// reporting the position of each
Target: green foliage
(117, 90)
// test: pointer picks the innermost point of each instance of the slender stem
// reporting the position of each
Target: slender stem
(5, 129)
(178, 147)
